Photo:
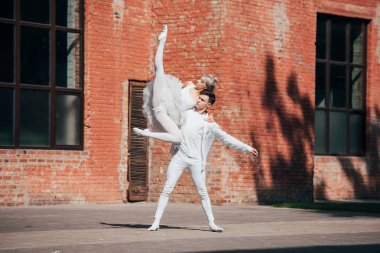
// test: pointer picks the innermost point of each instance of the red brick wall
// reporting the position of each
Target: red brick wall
(337, 178)
(265, 97)
(274, 97)
(264, 54)
(265, 58)
(117, 48)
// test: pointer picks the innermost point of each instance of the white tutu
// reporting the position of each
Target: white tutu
(172, 103)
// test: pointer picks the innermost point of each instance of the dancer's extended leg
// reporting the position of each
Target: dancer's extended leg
(167, 123)
(199, 177)
(175, 170)
(159, 86)
(173, 134)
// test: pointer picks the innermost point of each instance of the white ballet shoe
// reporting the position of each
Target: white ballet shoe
(164, 33)
(215, 228)
(141, 132)
(155, 226)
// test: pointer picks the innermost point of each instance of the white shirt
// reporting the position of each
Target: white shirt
(198, 135)
(192, 133)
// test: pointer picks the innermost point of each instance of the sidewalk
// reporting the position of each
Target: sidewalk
(122, 228)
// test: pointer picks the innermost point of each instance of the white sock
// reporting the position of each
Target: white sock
(141, 132)
(214, 228)
(167, 137)
(155, 226)
(164, 33)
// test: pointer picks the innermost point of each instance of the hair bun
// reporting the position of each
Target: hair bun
(210, 81)
(215, 78)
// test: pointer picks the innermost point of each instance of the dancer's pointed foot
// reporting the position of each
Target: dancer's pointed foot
(214, 228)
(163, 34)
(155, 226)
(141, 132)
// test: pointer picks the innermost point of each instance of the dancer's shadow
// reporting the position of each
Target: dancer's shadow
(147, 226)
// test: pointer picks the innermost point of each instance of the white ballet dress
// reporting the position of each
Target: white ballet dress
(176, 102)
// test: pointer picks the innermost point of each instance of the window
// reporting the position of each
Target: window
(41, 74)
(340, 86)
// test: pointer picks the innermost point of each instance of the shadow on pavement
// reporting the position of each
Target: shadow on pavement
(147, 226)
(366, 248)
(335, 213)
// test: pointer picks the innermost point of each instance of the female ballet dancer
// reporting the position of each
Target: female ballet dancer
(166, 99)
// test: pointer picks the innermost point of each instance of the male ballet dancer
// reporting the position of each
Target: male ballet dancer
(198, 135)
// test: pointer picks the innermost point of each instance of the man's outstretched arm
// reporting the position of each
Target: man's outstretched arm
(231, 141)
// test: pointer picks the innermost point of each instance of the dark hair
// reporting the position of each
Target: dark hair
(210, 94)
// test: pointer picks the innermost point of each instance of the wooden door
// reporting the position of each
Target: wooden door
(138, 146)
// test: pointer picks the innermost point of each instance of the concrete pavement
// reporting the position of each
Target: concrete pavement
(122, 228)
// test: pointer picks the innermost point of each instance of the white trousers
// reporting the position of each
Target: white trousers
(177, 165)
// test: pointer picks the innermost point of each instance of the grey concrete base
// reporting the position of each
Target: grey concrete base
(122, 228)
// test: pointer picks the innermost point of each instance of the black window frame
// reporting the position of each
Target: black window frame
(52, 88)
(328, 62)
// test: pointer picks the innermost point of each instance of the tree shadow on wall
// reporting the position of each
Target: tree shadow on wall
(285, 173)
(365, 188)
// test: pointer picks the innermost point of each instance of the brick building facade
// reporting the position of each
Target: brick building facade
(265, 54)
